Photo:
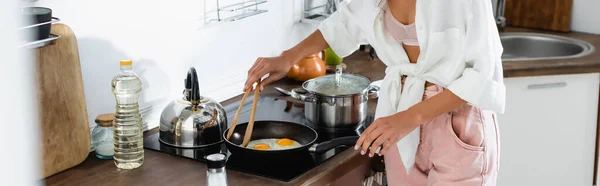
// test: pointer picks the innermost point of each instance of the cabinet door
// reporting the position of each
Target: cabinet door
(548, 131)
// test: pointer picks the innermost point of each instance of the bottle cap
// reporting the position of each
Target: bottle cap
(105, 120)
(216, 161)
(127, 62)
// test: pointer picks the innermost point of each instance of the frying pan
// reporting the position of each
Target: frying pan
(303, 134)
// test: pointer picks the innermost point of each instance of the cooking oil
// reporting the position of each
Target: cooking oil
(128, 136)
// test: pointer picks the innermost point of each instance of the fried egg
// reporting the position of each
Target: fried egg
(273, 144)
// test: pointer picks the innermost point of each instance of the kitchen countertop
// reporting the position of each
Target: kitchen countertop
(163, 169)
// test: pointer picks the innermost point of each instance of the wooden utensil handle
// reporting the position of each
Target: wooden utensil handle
(248, 134)
(237, 114)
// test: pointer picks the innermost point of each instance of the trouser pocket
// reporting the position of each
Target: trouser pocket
(458, 154)
(466, 127)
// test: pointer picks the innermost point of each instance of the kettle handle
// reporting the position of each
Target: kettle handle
(191, 83)
(323, 56)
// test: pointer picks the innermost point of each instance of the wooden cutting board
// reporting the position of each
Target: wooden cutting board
(539, 14)
(64, 124)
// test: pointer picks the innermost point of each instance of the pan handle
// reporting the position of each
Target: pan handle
(328, 145)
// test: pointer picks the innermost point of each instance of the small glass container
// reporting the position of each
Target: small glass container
(215, 172)
(103, 136)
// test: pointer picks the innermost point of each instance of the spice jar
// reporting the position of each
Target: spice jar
(215, 172)
(103, 136)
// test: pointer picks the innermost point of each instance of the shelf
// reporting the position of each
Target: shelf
(242, 5)
(40, 43)
(233, 12)
(43, 42)
(245, 14)
(316, 14)
(314, 19)
(52, 21)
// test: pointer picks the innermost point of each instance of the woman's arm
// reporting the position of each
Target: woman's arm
(339, 31)
(388, 130)
(426, 110)
(312, 44)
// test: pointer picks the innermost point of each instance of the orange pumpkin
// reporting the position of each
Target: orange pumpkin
(308, 68)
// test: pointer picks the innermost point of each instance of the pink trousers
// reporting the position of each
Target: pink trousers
(457, 148)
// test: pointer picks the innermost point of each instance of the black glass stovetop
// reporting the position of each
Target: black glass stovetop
(279, 168)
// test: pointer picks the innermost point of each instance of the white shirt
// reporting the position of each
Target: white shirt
(460, 50)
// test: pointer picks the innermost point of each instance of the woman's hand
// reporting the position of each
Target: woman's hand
(387, 131)
(276, 67)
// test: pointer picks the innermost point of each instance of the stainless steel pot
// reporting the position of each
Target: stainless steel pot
(328, 105)
(193, 121)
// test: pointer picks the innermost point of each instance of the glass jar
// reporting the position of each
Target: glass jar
(103, 136)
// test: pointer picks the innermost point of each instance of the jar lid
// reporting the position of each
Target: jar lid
(215, 161)
(105, 120)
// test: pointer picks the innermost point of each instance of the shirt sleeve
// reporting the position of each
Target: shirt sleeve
(341, 29)
(481, 83)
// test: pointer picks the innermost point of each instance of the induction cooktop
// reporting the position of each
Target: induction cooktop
(279, 168)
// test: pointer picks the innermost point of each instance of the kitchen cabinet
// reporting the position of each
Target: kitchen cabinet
(548, 131)
(353, 178)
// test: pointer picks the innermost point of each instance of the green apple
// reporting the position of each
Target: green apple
(331, 58)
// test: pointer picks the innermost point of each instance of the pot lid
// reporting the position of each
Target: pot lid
(349, 84)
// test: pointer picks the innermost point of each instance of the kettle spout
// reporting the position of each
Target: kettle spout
(191, 84)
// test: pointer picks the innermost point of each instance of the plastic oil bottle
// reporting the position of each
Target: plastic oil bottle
(128, 136)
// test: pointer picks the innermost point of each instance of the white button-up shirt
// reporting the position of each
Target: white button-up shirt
(460, 50)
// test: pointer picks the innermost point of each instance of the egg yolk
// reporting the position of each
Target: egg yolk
(285, 142)
(261, 146)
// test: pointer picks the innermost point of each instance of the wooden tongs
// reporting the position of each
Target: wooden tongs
(248, 133)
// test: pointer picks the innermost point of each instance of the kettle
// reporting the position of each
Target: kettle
(194, 121)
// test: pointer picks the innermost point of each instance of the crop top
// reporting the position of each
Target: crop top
(405, 34)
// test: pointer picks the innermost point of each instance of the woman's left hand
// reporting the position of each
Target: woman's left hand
(387, 131)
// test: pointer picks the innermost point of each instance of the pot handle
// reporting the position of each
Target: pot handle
(302, 95)
(373, 92)
(328, 145)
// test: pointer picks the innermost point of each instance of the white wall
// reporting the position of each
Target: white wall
(20, 158)
(163, 39)
(586, 16)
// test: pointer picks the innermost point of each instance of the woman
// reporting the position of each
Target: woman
(436, 119)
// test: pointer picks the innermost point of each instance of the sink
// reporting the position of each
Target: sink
(522, 46)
